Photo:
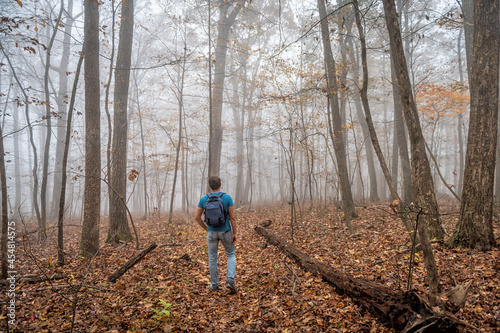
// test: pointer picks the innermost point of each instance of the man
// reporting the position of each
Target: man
(226, 234)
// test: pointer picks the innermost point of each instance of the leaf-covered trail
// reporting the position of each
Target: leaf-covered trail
(273, 293)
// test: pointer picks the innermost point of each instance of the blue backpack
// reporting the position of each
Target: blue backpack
(215, 214)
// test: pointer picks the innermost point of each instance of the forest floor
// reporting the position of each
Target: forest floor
(273, 295)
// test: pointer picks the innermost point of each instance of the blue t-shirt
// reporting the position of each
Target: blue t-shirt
(228, 202)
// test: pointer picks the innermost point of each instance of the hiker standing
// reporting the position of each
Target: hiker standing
(220, 223)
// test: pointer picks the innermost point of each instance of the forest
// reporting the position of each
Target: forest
(358, 140)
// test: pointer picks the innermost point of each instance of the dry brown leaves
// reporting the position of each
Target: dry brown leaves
(273, 293)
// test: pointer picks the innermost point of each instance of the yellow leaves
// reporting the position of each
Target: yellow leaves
(19, 2)
(437, 101)
(132, 175)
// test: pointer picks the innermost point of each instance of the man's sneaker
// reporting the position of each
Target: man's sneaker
(231, 286)
(214, 287)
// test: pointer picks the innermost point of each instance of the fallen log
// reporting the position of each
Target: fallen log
(35, 279)
(402, 311)
(129, 264)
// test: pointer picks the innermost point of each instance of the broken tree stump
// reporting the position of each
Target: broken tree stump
(402, 311)
(129, 264)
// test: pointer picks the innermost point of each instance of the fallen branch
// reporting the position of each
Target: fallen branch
(34, 278)
(402, 311)
(129, 264)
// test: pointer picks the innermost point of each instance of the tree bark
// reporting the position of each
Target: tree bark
(422, 183)
(228, 10)
(475, 226)
(5, 212)
(89, 245)
(396, 309)
(339, 146)
(401, 137)
(118, 222)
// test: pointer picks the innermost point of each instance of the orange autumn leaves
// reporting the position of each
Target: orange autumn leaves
(437, 101)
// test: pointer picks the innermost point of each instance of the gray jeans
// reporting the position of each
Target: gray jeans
(225, 237)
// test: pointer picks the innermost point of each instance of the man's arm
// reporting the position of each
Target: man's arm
(232, 219)
(197, 217)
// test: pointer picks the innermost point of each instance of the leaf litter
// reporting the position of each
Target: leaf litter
(168, 290)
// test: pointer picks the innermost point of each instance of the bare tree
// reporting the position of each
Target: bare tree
(5, 212)
(118, 222)
(64, 163)
(228, 10)
(89, 245)
(62, 106)
(26, 102)
(475, 226)
(339, 146)
(422, 184)
(42, 235)
(179, 93)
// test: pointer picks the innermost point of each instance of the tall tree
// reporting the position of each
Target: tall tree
(27, 103)
(42, 235)
(364, 125)
(475, 226)
(118, 222)
(179, 93)
(64, 164)
(62, 106)
(422, 183)
(5, 213)
(89, 245)
(228, 10)
(338, 145)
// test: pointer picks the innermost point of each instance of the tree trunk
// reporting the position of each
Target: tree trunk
(468, 13)
(475, 226)
(370, 127)
(64, 163)
(62, 108)
(118, 222)
(227, 15)
(422, 184)
(401, 137)
(143, 158)
(180, 100)
(89, 245)
(106, 107)
(5, 214)
(42, 235)
(364, 125)
(17, 166)
(339, 146)
(397, 309)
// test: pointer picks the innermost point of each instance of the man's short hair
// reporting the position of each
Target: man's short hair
(214, 182)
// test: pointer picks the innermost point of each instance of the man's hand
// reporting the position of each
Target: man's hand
(198, 219)
(232, 219)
